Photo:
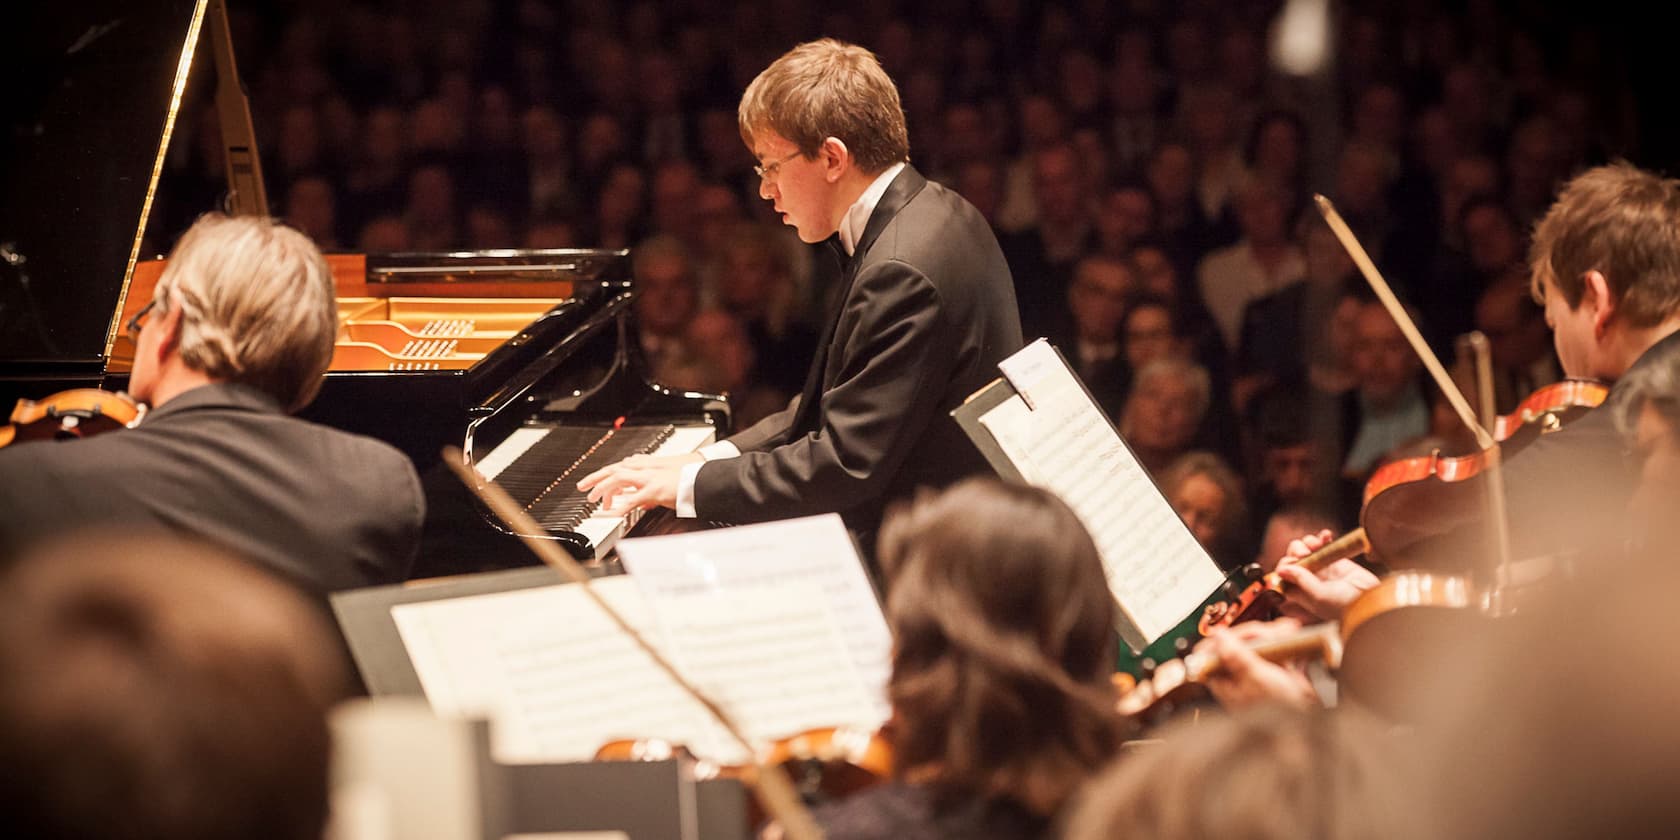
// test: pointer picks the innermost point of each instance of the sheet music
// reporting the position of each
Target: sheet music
(555, 674)
(559, 679)
(776, 665)
(1157, 571)
(813, 550)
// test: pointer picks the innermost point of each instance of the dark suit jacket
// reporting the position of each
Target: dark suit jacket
(1567, 492)
(926, 311)
(327, 509)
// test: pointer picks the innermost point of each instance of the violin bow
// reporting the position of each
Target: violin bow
(1484, 437)
(773, 789)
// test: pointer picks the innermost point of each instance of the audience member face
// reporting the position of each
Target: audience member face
(1290, 472)
(545, 137)
(1059, 186)
(1362, 181)
(1515, 327)
(1171, 175)
(981, 182)
(1203, 506)
(1041, 122)
(1132, 87)
(431, 196)
(1125, 216)
(1155, 272)
(1149, 335)
(1097, 298)
(1382, 361)
(1379, 117)
(1263, 216)
(1466, 178)
(719, 337)
(748, 278)
(310, 208)
(674, 209)
(1161, 414)
(1494, 241)
(966, 137)
(717, 211)
(666, 296)
(600, 140)
(384, 235)
(621, 198)
(1277, 151)
(1328, 262)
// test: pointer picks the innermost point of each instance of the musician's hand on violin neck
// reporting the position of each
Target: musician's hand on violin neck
(1243, 678)
(639, 481)
(1323, 596)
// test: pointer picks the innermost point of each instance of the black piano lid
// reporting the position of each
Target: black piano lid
(89, 102)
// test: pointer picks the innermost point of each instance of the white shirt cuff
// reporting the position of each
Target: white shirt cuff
(690, 472)
(721, 449)
(685, 490)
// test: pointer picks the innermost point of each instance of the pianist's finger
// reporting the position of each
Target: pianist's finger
(596, 477)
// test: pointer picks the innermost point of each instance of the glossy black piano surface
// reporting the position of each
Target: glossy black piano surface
(456, 349)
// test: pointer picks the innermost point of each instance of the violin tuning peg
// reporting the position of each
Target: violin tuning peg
(1252, 571)
(1231, 589)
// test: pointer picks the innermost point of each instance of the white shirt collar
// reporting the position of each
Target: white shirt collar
(857, 216)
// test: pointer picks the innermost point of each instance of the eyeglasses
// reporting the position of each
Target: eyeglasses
(133, 327)
(768, 171)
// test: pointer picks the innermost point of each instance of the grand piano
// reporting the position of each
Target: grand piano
(526, 360)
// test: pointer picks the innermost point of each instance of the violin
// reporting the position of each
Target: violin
(76, 413)
(1404, 498)
(824, 764)
(1179, 680)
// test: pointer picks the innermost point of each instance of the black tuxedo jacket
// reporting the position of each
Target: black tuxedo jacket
(925, 312)
(327, 509)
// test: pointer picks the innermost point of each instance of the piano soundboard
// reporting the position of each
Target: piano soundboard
(539, 465)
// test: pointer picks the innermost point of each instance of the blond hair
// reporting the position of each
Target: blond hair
(1623, 222)
(256, 300)
(826, 88)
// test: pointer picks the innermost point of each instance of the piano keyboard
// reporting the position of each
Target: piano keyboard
(540, 466)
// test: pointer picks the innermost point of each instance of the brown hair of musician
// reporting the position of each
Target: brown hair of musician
(1622, 222)
(826, 88)
(256, 301)
(1272, 772)
(152, 687)
(1004, 645)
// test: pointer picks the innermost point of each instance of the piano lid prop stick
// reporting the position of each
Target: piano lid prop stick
(773, 788)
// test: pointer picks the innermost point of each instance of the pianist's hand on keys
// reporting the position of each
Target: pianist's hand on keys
(639, 481)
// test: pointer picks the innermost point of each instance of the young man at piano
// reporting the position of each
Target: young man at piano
(924, 310)
(1605, 262)
(238, 334)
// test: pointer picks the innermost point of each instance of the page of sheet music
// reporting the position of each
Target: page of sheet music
(777, 665)
(1158, 572)
(813, 550)
(555, 674)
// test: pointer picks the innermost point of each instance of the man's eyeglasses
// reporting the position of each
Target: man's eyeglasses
(768, 171)
(133, 327)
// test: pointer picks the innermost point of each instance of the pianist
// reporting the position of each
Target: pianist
(238, 334)
(924, 310)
